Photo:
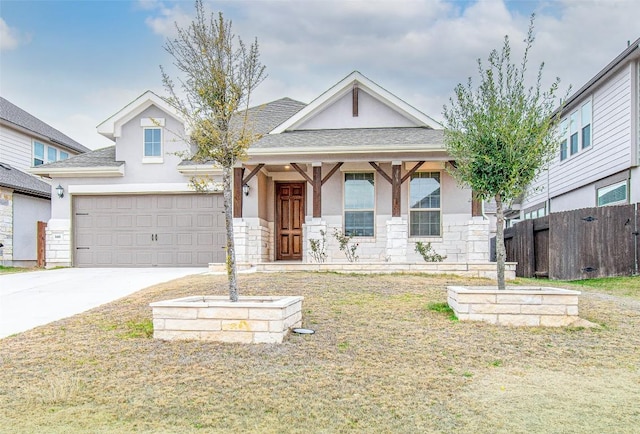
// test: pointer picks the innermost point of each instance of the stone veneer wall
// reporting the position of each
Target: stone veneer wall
(251, 237)
(6, 224)
(523, 306)
(58, 249)
(257, 319)
(463, 240)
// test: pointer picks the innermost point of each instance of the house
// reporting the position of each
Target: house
(599, 155)
(357, 160)
(25, 142)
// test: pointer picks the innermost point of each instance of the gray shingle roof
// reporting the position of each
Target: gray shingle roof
(266, 117)
(105, 157)
(23, 182)
(352, 138)
(15, 115)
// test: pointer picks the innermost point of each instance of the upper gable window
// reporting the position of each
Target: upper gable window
(152, 133)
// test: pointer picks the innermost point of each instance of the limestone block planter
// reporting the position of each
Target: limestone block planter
(521, 306)
(258, 319)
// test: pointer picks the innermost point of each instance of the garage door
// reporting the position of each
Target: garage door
(148, 230)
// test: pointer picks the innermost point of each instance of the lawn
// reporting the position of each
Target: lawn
(386, 357)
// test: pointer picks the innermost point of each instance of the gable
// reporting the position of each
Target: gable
(340, 107)
(371, 113)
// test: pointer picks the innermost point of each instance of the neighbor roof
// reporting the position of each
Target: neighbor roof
(13, 114)
(23, 182)
(99, 162)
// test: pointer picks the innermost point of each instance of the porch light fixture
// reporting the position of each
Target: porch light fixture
(245, 189)
(60, 191)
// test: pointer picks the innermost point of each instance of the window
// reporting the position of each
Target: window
(613, 194)
(424, 204)
(359, 203)
(152, 142)
(63, 155)
(52, 154)
(586, 124)
(573, 132)
(563, 143)
(38, 153)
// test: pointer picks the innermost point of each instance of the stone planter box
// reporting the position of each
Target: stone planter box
(215, 318)
(521, 306)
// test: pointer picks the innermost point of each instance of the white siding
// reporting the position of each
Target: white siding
(15, 148)
(609, 153)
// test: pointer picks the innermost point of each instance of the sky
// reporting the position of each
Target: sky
(73, 64)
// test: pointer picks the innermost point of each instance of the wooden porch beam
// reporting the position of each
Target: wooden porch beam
(331, 172)
(302, 172)
(253, 173)
(381, 172)
(412, 171)
(238, 172)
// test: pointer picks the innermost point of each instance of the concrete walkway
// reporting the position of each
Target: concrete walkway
(28, 300)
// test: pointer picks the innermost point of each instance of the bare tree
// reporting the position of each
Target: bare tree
(218, 75)
(502, 133)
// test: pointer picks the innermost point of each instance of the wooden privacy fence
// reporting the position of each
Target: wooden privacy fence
(577, 244)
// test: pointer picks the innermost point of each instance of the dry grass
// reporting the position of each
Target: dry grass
(383, 359)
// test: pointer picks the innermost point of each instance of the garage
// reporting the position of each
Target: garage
(163, 230)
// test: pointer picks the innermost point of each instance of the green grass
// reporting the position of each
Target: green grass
(627, 286)
(443, 308)
(12, 270)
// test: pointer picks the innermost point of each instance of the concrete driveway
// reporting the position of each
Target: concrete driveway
(35, 298)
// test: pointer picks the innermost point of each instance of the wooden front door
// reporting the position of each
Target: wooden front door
(289, 220)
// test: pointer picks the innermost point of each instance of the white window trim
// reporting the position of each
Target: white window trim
(566, 135)
(409, 209)
(344, 210)
(153, 126)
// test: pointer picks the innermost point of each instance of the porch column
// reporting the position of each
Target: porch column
(396, 183)
(317, 190)
(238, 173)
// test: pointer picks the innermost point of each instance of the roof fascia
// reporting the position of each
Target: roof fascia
(605, 72)
(112, 127)
(344, 86)
(40, 137)
(72, 172)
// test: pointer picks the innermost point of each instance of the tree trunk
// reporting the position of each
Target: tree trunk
(232, 274)
(500, 249)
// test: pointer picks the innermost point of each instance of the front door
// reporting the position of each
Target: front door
(289, 220)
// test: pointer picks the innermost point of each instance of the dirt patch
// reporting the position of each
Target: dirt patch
(381, 360)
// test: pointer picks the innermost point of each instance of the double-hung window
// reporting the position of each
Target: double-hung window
(52, 154)
(359, 204)
(424, 204)
(563, 143)
(573, 132)
(152, 142)
(585, 117)
(38, 153)
(152, 139)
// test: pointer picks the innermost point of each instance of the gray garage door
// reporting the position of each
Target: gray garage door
(148, 230)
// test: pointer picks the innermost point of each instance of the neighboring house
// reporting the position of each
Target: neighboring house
(357, 160)
(599, 154)
(26, 141)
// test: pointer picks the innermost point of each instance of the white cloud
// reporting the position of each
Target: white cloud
(10, 38)
(164, 18)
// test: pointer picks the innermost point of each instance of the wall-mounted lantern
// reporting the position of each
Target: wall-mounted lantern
(60, 191)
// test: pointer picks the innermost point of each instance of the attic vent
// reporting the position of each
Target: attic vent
(354, 95)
